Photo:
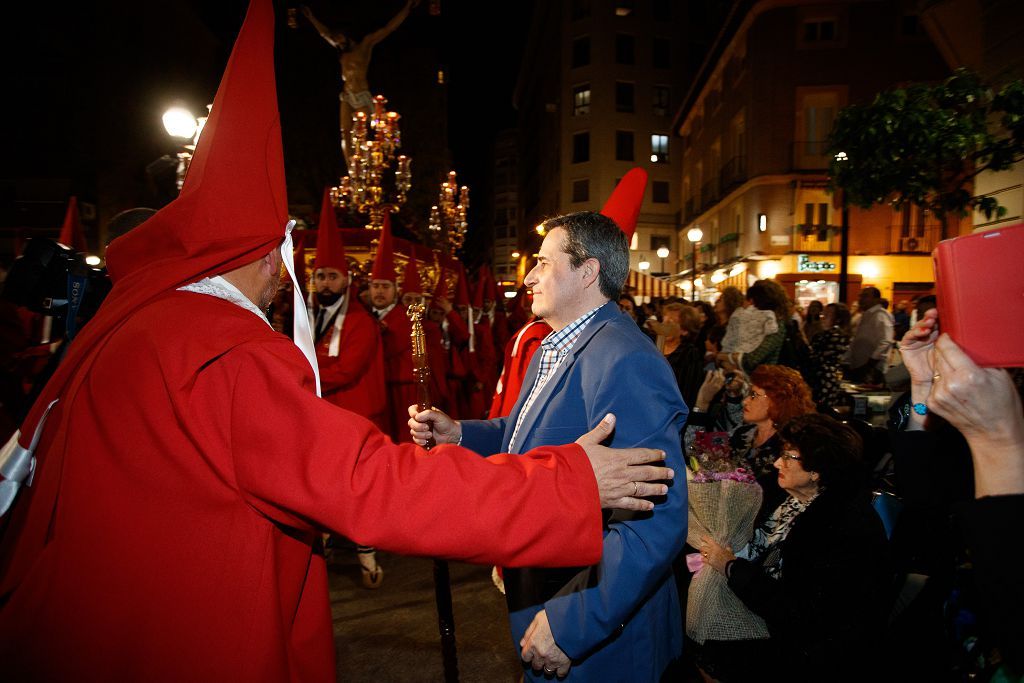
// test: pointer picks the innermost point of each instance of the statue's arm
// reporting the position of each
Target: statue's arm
(321, 28)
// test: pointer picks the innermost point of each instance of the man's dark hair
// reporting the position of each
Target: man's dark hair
(594, 235)
(873, 292)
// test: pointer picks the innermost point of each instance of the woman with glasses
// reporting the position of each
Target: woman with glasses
(774, 395)
(817, 569)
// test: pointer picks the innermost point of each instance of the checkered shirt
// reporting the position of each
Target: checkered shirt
(553, 350)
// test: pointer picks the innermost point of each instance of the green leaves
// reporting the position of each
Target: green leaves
(924, 143)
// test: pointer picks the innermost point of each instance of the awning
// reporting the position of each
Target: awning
(649, 286)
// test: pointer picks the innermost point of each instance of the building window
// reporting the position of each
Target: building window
(659, 192)
(580, 148)
(659, 148)
(625, 48)
(580, 52)
(581, 100)
(661, 100)
(580, 9)
(624, 97)
(816, 31)
(661, 10)
(581, 190)
(659, 241)
(623, 145)
(661, 55)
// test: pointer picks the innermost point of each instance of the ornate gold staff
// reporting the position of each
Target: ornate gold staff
(442, 579)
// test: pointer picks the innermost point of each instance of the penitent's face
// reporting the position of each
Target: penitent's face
(382, 293)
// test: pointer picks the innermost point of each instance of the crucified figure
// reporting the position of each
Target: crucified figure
(354, 58)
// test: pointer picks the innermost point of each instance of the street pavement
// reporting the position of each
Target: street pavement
(391, 634)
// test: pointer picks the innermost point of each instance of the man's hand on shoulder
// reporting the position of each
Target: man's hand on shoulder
(623, 476)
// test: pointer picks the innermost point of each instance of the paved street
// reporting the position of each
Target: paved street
(390, 634)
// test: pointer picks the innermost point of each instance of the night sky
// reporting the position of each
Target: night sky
(86, 84)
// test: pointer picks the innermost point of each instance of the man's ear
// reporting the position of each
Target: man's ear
(591, 269)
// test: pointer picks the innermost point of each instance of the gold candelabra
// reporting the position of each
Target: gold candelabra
(448, 217)
(362, 190)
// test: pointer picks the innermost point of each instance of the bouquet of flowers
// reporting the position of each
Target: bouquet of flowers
(723, 501)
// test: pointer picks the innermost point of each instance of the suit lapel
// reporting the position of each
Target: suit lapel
(600, 319)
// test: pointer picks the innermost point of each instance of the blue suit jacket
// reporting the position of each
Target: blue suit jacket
(618, 620)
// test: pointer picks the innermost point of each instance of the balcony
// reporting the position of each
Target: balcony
(914, 239)
(733, 173)
(816, 238)
(809, 155)
(708, 194)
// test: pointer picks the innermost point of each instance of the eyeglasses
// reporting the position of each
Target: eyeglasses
(790, 455)
(754, 395)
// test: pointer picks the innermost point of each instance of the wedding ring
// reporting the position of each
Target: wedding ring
(636, 489)
(935, 377)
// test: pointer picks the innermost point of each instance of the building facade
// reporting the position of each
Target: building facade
(596, 93)
(754, 130)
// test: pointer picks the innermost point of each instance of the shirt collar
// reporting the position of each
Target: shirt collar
(563, 340)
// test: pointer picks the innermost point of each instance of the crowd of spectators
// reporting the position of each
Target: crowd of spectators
(878, 553)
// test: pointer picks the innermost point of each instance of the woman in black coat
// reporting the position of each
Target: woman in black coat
(817, 569)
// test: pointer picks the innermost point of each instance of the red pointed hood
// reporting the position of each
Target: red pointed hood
(71, 232)
(411, 279)
(384, 261)
(623, 206)
(478, 289)
(441, 290)
(461, 289)
(330, 251)
(232, 208)
(490, 292)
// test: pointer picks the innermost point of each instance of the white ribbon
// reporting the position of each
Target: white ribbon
(18, 464)
(302, 333)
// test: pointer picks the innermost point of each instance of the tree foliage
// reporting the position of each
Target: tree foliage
(925, 143)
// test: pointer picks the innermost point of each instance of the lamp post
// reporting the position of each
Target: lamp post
(844, 238)
(180, 123)
(644, 264)
(695, 235)
(663, 254)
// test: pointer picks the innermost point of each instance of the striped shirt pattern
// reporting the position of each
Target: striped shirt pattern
(553, 350)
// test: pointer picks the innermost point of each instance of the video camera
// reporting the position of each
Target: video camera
(53, 279)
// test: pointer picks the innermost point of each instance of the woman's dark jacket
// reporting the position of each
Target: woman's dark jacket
(827, 612)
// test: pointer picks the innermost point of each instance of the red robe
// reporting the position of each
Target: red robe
(183, 479)
(396, 330)
(518, 353)
(354, 379)
(484, 369)
(437, 356)
(458, 364)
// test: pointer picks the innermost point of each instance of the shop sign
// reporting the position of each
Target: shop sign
(804, 264)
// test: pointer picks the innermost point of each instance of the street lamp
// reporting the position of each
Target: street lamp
(663, 254)
(695, 235)
(644, 264)
(180, 123)
(844, 238)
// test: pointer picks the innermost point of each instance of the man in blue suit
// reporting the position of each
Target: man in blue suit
(618, 620)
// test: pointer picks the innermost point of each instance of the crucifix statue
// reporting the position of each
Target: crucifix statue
(354, 57)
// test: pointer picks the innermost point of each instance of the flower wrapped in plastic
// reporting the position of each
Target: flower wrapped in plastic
(723, 502)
